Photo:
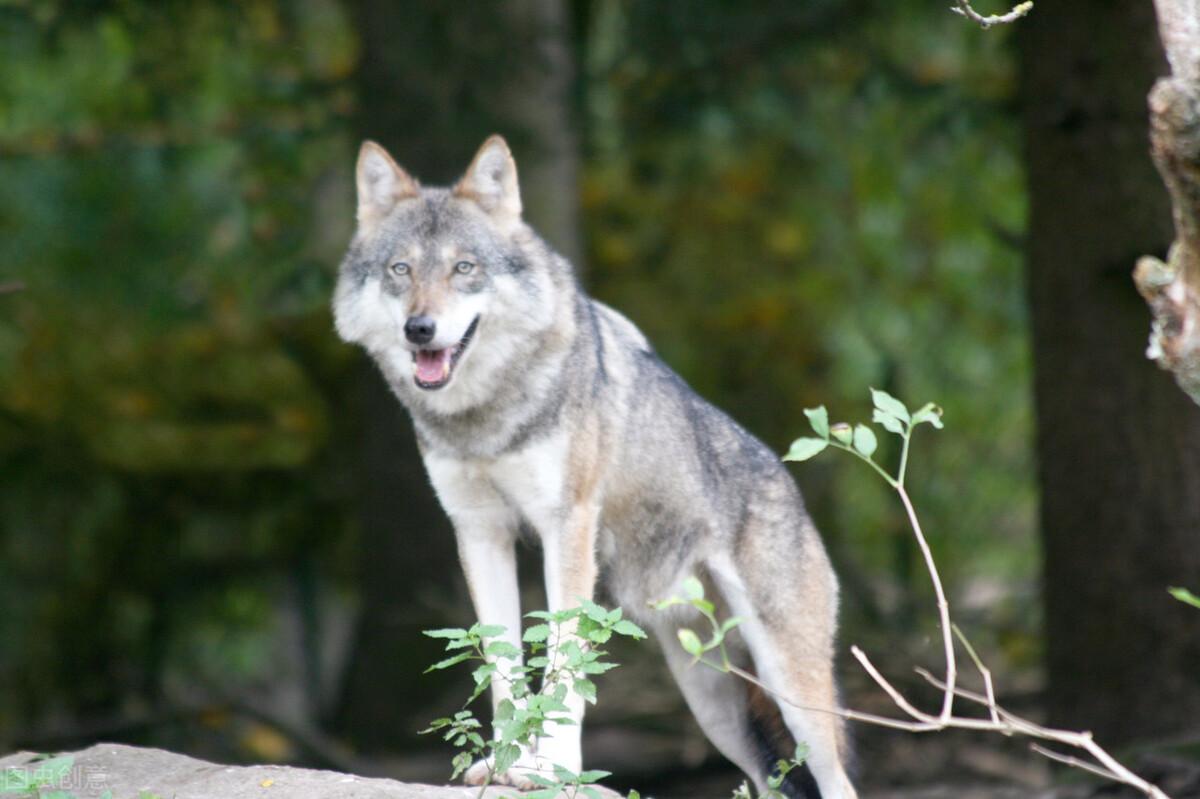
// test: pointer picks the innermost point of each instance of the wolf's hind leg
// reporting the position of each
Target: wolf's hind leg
(788, 624)
(720, 703)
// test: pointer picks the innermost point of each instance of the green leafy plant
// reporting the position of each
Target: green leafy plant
(564, 647)
(775, 781)
(860, 440)
(1185, 596)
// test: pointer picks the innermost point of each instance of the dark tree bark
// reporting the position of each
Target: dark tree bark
(434, 82)
(1118, 443)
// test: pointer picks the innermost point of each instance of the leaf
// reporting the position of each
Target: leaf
(594, 775)
(599, 636)
(598, 668)
(730, 623)
(890, 405)
(842, 432)
(506, 756)
(488, 630)
(586, 688)
(804, 448)
(628, 628)
(690, 642)
(594, 611)
(502, 649)
(889, 422)
(484, 673)
(693, 588)
(447, 632)
(818, 417)
(864, 440)
(461, 762)
(929, 413)
(450, 661)
(537, 634)
(1185, 596)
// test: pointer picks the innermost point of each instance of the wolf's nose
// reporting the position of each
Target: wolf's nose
(420, 329)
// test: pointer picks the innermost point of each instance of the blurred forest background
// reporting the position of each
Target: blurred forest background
(215, 535)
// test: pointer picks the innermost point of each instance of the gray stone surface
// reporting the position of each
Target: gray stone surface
(128, 771)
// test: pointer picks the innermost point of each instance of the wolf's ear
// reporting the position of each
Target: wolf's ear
(381, 183)
(491, 181)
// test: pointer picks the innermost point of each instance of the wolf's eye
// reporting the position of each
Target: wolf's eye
(464, 267)
(400, 268)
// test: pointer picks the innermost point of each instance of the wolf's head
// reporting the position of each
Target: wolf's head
(445, 287)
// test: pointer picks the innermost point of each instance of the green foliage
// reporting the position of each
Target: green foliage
(167, 375)
(796, 200)
(693, 596)
(889, 413)
(776, 779)
(564, 647)
(1185, 596)
(791, 200)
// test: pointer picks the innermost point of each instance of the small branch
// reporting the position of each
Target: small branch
(963, 8)
(942, 605)
(998, 720)
(1074, 762)
(984, 672)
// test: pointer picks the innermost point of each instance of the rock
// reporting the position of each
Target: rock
(130, 772)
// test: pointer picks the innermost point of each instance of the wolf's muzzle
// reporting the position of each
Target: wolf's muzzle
(420, 329)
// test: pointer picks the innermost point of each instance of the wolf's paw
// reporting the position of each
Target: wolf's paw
(517, 775)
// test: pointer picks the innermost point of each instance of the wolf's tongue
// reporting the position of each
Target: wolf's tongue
(433, 366)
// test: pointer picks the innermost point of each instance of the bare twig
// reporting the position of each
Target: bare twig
(984, 672)
(942, 605)
(1074, 762)
(999, 720)
(963, 8)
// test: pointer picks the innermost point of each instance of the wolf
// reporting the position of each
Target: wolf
(539, 410)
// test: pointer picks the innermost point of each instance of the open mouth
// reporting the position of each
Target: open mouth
(433, 368)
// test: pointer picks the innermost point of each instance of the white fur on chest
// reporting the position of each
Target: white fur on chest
(529, 484)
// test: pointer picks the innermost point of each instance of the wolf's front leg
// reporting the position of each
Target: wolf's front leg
(489, 561)
(570, 569)
(486, 531)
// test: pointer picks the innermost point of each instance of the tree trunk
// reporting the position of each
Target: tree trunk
(1172, 288)
(433, 83)
(1118, 444)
